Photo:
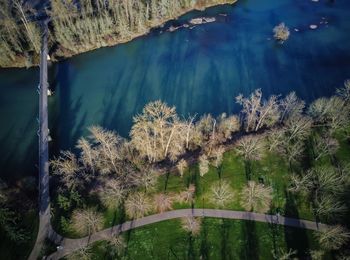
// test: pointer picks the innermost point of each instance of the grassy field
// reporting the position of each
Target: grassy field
(271, 169)
(218, 239)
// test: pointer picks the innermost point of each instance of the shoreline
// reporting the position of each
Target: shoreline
(60, 53)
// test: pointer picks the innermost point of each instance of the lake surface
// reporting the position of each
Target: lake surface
(198, 70)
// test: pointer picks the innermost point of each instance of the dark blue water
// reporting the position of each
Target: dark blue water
(198, 70)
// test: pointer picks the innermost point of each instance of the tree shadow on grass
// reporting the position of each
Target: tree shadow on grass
(248, 169)
(274, 235)
(205, 246)
(193, 178)
(251, 248)
(167, 175)
(296, 238)
(191, 254)
(226, 250)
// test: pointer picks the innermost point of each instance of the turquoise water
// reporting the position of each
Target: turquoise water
(198, 70)
(18, 111)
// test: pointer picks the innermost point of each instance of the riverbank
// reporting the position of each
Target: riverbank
(59, 51)
(62, 53)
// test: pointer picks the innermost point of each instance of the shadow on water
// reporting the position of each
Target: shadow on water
(251, 248)
(66, 130)
(296, 238)
(21, 153)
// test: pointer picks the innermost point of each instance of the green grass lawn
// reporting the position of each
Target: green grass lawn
(218, 239)
(272, 169)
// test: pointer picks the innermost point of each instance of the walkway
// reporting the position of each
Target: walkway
(71, 245)
(45, 228)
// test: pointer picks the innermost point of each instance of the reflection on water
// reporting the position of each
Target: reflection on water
(198, 70)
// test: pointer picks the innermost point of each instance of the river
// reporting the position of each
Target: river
(198, 70)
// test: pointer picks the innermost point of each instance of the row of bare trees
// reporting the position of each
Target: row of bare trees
(158, 132)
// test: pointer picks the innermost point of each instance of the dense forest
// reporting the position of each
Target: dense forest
(80, 26)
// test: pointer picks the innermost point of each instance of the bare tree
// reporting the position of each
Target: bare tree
(207, 126)
(250, 147)
(162, 202)
(190, 130)
(88, 154)
(116, 245)
(203, 165)
(221, 193)
(83, 253)
(258, 113)
(269, 113)
(275, 139)
(186, 196)
(157, 132)
(281, 32)
(251, 107)
(333, 238)
(31, 29)
(181, 166)
(191, 224)
(109, 149)
(146, 178)
(320, 181)
(292, 151)
(299, 183)
(87, 221)
(330, 208)
(316, 254)
(291, 106)
(281, 254)
(137, 205)
(297, 128)
(256, 197)
(325, 145)
(112, 194)
(344, 92)
(331, 112)
(227, 126)
(217, 156)
(68, 169)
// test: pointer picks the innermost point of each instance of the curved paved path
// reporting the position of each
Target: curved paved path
(71, 245)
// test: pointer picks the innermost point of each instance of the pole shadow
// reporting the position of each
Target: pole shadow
(296, 238)
(251, 248)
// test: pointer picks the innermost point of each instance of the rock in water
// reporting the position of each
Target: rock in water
(202, 20)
